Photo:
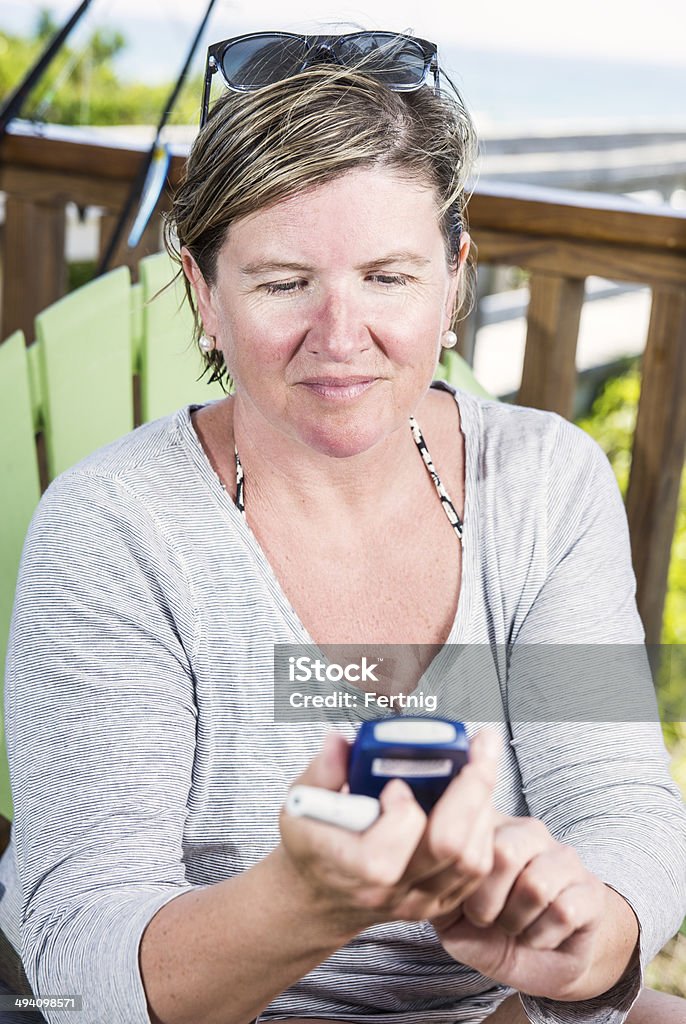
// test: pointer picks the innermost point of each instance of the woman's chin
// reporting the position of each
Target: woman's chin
(343, 444)
(342, 427)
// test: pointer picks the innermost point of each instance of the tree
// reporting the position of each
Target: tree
(105, 44)
(46, 26)
(81, 86)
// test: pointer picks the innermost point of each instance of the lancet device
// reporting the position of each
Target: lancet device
(355, 813)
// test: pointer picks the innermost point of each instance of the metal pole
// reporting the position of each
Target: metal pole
(139, 181)
(16, 100)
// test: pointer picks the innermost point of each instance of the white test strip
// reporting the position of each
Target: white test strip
(347, 810)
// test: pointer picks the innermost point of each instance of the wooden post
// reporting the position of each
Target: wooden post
(658, 455)
(124, 257)
(5, 829)
(549, 374)
(467, 330)
(34, 269)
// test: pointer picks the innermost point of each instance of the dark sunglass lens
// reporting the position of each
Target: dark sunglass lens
(253, 63)
(390, 58)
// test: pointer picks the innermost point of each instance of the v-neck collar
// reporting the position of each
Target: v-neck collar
(470, 543)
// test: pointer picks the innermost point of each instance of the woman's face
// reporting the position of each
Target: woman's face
(329, 308)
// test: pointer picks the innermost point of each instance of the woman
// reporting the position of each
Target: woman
(337, 497)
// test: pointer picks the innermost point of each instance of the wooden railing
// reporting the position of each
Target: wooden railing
(559, 237)
(39, 176)
(562, 238)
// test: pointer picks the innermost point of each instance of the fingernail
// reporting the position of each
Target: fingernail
(329, 744)
(399, 790)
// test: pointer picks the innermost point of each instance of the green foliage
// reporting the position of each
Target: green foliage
(79, 272)
(613, 417)
(611, 422)
(46, 26)
(104, 45)
(16, 55)
(81, 86)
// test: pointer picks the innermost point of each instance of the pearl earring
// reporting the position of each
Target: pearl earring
(449, 339)
(206, 343)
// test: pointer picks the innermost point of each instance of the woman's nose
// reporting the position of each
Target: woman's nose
(338, 329)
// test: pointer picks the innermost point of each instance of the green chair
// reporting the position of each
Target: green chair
(170, 363)
(456, 371)
(136, 327)
(83, 359)
(21, 489)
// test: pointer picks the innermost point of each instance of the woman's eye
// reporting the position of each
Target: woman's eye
(289, 287)
(283, 287)
(389, 279)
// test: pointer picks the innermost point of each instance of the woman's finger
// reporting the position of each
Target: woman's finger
(479, 853)
(571, 911)
(329, 769)
(516, 842)
(360, 871)
(453, 819)
(537, 887)
(475, 862)
(388, 846)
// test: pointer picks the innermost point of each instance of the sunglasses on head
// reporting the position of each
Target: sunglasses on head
(402, 63)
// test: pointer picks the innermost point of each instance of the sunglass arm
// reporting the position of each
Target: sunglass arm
(210, 69)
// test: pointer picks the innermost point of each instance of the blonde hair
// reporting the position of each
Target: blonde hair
(260, 147)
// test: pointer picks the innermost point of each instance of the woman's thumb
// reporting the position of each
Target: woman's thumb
(329, 769)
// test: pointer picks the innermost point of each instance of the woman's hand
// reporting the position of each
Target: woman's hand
(540, 921)
(405, 867)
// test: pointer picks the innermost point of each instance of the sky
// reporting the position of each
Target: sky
(516, 63)
(617, 30)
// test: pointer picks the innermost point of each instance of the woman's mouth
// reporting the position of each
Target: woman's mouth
(339, 388)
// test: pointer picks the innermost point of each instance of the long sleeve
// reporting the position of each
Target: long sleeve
(101, 721)
(584, 718)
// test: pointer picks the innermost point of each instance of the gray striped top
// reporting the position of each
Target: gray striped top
(145, 761)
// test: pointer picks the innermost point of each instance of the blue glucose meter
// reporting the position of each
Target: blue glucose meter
(425, 752)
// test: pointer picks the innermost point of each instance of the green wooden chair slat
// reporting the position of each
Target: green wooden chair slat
(170, 363)
(84, 361)
(459, 373)
(21, 491)
(136, 326)
(35, 386)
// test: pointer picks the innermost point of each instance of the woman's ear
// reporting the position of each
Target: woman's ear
(456, 274)
(203, 292)
(465, 242)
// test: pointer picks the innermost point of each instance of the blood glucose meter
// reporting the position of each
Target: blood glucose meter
(425, 752)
